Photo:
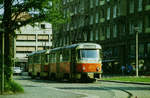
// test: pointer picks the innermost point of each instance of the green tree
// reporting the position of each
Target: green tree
(18, 13)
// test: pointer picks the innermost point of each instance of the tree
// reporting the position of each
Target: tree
(18, 13)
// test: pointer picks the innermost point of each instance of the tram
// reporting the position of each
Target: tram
(80, 61)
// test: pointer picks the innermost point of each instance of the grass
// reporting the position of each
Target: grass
(129, 79)
(13, 87)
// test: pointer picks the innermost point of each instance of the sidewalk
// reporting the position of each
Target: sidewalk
(127, 82)
(121, 81)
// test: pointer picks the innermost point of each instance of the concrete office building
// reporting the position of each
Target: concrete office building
(112, 24)
(30, 39)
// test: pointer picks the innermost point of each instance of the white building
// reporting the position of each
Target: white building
(32, 38)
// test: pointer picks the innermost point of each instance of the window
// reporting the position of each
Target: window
(148, 21)
(108, 32)
(37, 58)
(68, 27)
(148, 49)
(119, 9)
(131, 28)
(64, 1)
(91, 3)
(42, 26)
(91, 19)
(102, 13)
(132, 50)
(102, 33)
(97, 2)
(141, 50)
(123, 29)
(108, 13)
(75, 10)
(91, 35)
(88, 54)
(47, 58)
(96, 35)
(140, 5)
(114, 11)
(140, 25)
(82, 5)
(97, 17)
(131, 6)
(85, 36)
(65, 55)
(114, 30)
(115, 52)
(43, 37)
(82, 21)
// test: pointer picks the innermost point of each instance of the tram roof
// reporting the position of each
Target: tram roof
(30, 54)
(84, 45)
(80, 45)
(38, 52)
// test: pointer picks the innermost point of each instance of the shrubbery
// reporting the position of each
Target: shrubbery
(13, 87)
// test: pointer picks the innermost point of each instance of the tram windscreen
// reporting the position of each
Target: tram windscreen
(88, 54)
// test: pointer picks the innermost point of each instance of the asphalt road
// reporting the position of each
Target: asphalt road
(53, 89)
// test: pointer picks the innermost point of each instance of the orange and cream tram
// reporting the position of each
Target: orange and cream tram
(38, 64)
(73, 62)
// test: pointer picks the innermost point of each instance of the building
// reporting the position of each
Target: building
(112, 24)
(32, 38)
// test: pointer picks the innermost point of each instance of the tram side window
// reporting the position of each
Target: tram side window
(47, 58)
(43, 58)
(29, 60)
(52, 58)
(37, 59)
(65, 55)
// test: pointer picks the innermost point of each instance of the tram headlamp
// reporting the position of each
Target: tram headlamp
(98, 68)
(83, 68)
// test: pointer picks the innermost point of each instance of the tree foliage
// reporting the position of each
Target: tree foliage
(38, 10)
(18, 13)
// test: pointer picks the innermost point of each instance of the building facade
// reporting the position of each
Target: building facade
(111, 23)
(30, 39)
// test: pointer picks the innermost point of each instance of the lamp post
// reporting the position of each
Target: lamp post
(2, 74)
(136, 45)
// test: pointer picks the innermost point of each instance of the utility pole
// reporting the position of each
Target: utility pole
(2, 74)
(136, 39)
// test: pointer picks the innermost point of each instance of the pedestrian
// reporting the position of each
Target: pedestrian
(129, 69)
(123, 69)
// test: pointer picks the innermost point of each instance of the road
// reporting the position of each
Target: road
(53, 89)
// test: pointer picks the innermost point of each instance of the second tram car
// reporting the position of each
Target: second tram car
(77, 61)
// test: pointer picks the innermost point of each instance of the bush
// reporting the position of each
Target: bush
(14, 87)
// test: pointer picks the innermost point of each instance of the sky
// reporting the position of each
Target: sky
(15, 1)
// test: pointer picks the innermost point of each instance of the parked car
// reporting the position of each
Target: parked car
(17, 70)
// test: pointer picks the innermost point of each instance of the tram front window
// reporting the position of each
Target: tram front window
(88, 54)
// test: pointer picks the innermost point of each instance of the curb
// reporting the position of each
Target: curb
(127, 82)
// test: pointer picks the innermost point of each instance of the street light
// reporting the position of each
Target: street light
(136, 45)
(2, 73)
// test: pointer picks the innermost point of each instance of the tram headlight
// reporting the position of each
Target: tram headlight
(98, 68)
(83, 68)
